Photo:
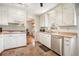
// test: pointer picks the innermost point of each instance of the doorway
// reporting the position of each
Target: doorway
(31, 31)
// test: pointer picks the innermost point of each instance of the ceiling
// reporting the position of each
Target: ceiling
(33, 8)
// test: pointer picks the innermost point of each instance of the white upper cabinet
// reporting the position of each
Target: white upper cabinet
(16, 14)
(42, 20)
(9, 14)
(52, 16)
(69, 14)
(46, 20)
(59, 15)
(63, 15)
(3, 15)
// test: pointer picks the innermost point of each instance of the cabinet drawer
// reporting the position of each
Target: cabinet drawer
(67, 42)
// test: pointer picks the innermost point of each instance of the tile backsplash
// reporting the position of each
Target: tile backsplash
(12, 27)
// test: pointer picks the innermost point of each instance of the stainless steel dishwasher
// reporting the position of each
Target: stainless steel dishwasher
(56, 44)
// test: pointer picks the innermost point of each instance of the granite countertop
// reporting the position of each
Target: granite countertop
(13, 32)
(64, 34)
(60, 33)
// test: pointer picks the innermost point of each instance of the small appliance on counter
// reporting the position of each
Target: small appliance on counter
(43, 29)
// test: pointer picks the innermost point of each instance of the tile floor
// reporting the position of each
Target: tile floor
(28, 51)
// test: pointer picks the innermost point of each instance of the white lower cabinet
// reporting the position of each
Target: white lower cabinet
(1, 44)
(45, 39)
(70, 46)
(10, 41)
(21, 39)
(66, 46)
(14, 40)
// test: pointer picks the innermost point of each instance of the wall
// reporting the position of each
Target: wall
(77, 13)
(37, 23)
(37, 26)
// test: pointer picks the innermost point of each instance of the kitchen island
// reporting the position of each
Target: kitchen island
(12, 39)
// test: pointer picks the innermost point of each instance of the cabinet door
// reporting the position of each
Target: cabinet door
(59, 15)
(38, 37)
(12, 40)
(73, 46)
(1, 44)
(42, 20)
(66, 46)
(21, 40)
(47, 41)
(52, 16)
(68, 14)
(9, 41)
(41, 38)
(6, 43)
(3, 15)
(46, 20)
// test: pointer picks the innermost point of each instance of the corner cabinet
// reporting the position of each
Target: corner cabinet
(70, 46)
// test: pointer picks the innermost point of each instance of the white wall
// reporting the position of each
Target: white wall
(37, 23)
(77, 13)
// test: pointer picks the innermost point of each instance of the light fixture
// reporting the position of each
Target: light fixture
(41, 4)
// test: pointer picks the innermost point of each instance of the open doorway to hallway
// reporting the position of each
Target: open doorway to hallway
(30, 31)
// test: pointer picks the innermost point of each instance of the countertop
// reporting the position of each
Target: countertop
(60, 33)
(13, 32)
